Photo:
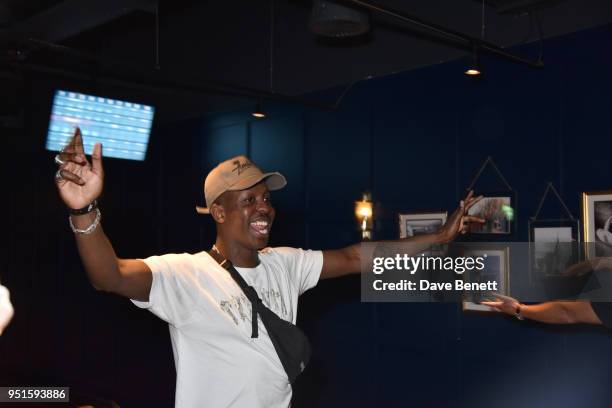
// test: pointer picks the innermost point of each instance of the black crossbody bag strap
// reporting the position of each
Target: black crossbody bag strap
(290, 343)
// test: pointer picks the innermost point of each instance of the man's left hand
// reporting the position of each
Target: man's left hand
(459, 222)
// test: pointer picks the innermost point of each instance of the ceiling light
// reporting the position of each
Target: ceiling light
(334, 20)
(474, 69)
(258, 112)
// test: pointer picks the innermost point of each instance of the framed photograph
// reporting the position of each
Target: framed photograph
(553, 247)
(498, 213)
(597, 221)
(497, 268)
(421, 223)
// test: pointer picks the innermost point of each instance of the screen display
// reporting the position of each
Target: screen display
(122, 127)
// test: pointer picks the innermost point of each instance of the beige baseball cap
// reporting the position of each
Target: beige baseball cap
(237, 173)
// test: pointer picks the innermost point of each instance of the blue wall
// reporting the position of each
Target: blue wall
(416, 140)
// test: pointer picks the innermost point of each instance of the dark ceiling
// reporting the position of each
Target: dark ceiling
(172, 57)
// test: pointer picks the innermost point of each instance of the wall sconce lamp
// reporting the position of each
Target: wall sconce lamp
(364, 214)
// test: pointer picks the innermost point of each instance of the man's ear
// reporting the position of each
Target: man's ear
(218, 213)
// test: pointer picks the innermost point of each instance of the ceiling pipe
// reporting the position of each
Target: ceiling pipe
(143, 78)
(71, 17)
(465, 39)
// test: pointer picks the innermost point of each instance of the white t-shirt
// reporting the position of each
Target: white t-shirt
(218, 364)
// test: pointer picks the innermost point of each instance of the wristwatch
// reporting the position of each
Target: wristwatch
(85, 210)
(517, 312)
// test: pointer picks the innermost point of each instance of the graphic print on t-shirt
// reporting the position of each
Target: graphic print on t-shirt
(239, 307)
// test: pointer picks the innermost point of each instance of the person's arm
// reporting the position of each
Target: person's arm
(554, 312)
(345, 261)
(80, 183)
(581, 268)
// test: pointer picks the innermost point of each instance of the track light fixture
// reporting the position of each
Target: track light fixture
(258, 112)
(473, 70)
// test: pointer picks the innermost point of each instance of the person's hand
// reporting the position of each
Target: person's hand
(604, 234)
(505, 304)
(79, 182)
(6, 309)
(581, 268)
(459, 222)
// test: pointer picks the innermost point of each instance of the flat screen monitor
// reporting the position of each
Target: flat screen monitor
(122, 127)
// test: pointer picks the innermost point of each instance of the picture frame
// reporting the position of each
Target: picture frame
(597, 223)
(497, 209)
(412, 224)
(497, 267)
(553, 247)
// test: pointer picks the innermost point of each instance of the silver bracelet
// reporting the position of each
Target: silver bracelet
(89, 229)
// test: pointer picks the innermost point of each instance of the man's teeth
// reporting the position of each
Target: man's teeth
(260, 226)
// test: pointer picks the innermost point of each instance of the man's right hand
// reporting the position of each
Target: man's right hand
(79, 182)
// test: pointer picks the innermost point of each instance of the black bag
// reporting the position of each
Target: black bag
(290, 343)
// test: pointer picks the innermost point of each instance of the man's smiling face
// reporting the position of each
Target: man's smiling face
(248, 216)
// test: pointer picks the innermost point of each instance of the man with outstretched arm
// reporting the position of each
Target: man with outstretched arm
(223, 356)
